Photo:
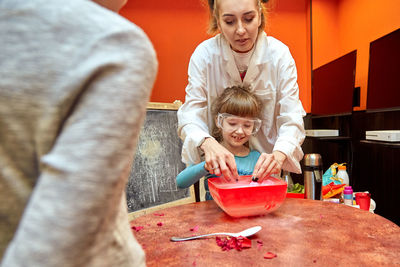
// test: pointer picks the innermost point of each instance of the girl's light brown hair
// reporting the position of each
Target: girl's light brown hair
(214, 12)
(238, 101)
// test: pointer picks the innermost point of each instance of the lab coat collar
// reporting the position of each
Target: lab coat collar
(230, 64)
(257, 59)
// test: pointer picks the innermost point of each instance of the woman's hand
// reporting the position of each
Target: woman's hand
(219, 160)
(268, 164)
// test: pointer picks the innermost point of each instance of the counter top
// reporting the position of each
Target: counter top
(301, 232)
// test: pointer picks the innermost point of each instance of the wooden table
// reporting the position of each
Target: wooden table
(301, 233)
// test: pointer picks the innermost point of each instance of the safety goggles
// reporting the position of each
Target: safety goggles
(232, 123)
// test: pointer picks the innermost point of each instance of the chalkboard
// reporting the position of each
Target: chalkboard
(157, 162)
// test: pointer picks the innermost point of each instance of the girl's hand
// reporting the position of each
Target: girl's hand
(268, 164)
(219, 161)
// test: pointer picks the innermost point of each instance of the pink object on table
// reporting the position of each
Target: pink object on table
(243, 198)
(364, 200)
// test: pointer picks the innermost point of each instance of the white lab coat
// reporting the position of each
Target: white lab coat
(271, 74)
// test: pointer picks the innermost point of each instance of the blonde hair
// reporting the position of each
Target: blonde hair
(238, 101)
(214, 12)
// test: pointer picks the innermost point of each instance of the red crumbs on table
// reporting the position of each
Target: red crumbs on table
(160, 224)
(136, 228)
(229, 243)
(194, 229)
(269, 255)
(246, 243)
(259, 244)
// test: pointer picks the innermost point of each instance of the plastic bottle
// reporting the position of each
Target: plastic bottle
(348, 195)
(342, 173)
(288, 179)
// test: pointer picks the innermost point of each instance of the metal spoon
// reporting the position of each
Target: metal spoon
(245, 233)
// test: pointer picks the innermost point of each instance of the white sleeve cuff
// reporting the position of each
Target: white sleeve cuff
(293, 154)
(190, 151)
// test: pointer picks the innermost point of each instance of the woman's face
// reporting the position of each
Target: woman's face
(238, 21)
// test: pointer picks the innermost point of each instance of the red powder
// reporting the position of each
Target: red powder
(194, 229)
(269, 255)
(136, 228)
(229, 243)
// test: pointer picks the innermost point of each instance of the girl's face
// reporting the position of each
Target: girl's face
(238, 21)
(236, 131)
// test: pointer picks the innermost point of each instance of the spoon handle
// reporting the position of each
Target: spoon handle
(175, 239)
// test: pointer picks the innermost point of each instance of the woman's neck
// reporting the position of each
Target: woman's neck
(243, 52)
(240, 151)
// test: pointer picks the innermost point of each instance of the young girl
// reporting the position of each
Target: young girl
(236, 118)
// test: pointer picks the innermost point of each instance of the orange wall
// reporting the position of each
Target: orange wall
(325, 32)
(341, 26)
(288, 21)
(176, 27)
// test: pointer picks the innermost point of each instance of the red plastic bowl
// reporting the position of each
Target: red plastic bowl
(245, 198)
(295, 195)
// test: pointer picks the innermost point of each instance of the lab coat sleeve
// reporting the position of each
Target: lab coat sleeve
(192, 115)
(289, 121)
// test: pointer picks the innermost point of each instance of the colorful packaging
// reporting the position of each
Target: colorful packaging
(331, 184)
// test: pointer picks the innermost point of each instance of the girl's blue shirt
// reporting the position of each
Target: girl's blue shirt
(245, 166)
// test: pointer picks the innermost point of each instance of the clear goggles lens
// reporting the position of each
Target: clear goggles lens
(232, 123)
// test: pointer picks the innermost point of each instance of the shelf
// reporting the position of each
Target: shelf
(381, 143)
(330, 138)
(331, 115)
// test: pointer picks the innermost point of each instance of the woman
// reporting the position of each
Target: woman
(243, 55)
